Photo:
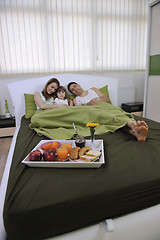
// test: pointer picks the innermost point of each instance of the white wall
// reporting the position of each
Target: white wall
(131, 86)
(4, 94)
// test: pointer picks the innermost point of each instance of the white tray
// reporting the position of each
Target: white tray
(70, 164)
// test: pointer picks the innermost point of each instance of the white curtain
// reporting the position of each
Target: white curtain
(72, 35)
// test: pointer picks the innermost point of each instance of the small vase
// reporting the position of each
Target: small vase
(92, 130)
(6, 106)
(8, 115)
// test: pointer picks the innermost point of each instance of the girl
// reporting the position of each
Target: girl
(62, 97)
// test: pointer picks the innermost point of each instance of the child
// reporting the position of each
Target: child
(62, 97)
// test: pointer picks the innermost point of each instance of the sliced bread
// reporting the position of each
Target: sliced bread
(88, 158)
(94, 153)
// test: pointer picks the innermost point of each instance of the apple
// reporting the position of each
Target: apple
(35, 155)
(49, 155)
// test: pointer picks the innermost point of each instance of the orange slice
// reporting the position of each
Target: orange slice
(54, 145)
(48, 146)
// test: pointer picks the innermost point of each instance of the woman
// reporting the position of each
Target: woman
(45, 99)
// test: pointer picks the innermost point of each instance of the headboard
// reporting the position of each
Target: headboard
(17, 89)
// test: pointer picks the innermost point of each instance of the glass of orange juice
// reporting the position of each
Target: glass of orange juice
(62, 153)
(67, 145)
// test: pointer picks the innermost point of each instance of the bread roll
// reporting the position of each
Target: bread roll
(83, 151)
(74, 152)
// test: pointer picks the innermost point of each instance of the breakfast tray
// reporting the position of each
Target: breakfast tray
(98, 145)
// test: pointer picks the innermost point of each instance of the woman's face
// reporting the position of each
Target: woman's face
(51, 88)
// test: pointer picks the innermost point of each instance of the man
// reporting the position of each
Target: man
(139, 129)
(92, 96)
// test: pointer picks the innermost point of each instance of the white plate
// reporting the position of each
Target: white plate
(70, 164)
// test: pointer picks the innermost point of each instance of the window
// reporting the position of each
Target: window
(72, 35)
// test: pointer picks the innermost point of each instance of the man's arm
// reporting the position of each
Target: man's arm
(74, 102)
(102, 97)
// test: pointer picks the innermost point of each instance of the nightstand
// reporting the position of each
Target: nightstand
(7, 126)
(134, 107)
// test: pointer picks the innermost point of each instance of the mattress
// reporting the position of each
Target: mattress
(45, 202)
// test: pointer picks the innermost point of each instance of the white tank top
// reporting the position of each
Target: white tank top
(60, 101)
(84, 100)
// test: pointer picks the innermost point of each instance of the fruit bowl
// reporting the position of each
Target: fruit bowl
(50, 145)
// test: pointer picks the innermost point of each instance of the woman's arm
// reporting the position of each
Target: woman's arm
(38, 101)
(102, 97)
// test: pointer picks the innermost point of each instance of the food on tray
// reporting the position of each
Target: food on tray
(93, 153)
(62, 153)
(83, 151)
(56, 151)
(49, 155)
(90, 155)
(88, 158)
(80, 141)
(54, 145)
(74, 153)
(67, 145)
(47, 146)
(35, 155)
(50, 145)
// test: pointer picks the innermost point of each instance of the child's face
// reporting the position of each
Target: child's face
(61, 95)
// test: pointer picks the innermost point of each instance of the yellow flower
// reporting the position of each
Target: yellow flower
(89, 124)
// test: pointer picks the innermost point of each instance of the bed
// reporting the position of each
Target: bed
(117, 201)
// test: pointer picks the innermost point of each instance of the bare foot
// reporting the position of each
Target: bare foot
(139, 129)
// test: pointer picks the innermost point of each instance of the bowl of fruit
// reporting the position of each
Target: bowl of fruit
(50, 145)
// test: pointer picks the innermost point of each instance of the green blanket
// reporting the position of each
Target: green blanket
(58, 123)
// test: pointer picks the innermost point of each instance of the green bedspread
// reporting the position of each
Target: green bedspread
(57, 123)
(46, 202)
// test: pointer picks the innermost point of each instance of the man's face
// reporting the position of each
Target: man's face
(76, 89)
